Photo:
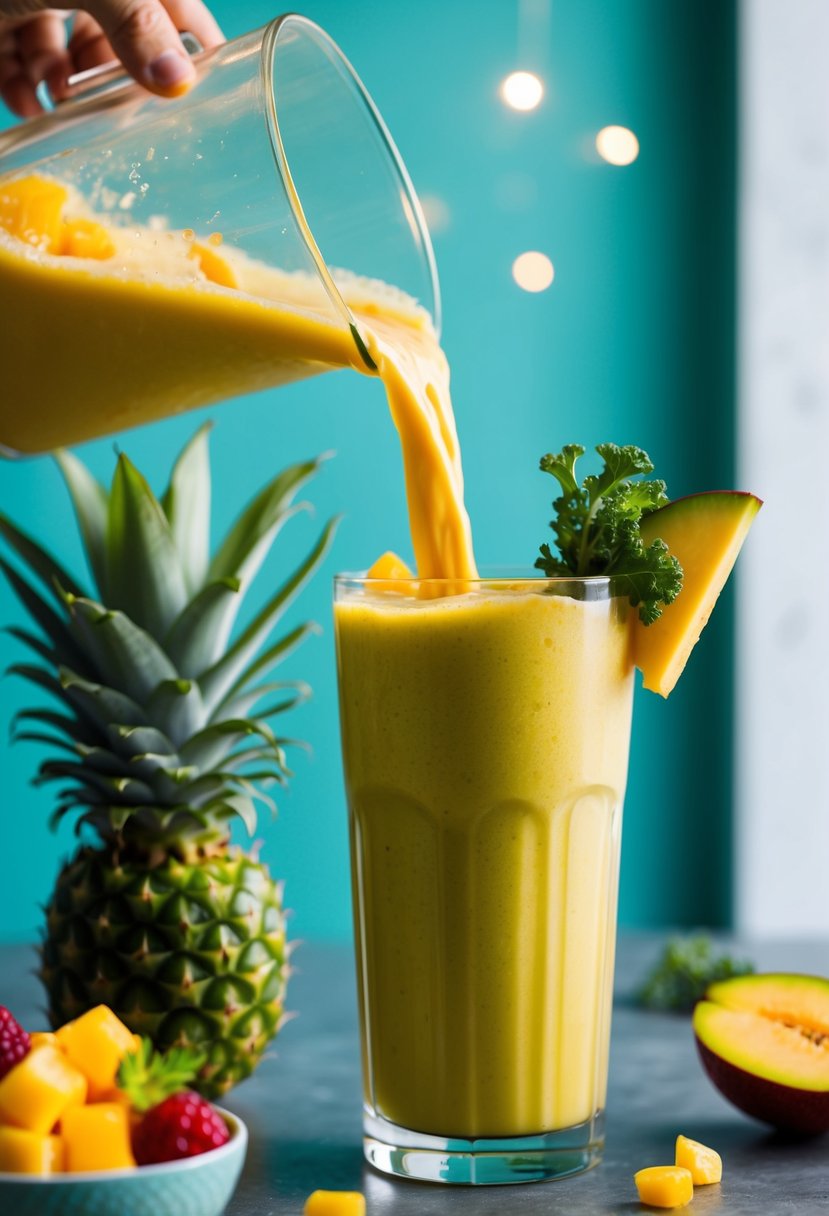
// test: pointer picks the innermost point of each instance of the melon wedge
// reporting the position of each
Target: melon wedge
(705, 533)
(764, 1042)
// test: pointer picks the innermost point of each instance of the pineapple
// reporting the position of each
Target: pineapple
(163, 726)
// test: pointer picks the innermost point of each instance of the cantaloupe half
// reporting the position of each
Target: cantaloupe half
(705, 532)
(764, 1042)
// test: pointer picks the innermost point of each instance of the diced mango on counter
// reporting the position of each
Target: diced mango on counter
(672, 1186)
(664, 1186)
(40, 1089)
(704, 1164)
(335, 1203)
(97, 1137)
(96, 1043)
(24, 1152)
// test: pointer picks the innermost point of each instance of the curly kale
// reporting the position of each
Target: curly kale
(597, 527)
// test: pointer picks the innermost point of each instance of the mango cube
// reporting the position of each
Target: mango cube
(664, 1186)
(703, 1163)
(335, 1203)
(389, 566)
(96, 1043)
(23, 1152)
(97, 1137)
(38, 1090)
(43, 1038)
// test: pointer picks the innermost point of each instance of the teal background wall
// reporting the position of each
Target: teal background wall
(633, 342)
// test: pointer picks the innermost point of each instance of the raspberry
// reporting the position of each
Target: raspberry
(14, 1042)
(183, 1125)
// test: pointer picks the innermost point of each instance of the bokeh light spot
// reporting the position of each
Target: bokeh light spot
(436, 213)
(617, 145)
(521, 90)
(533, 271)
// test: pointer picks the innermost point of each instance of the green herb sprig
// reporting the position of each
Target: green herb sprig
(147, 1076)
(684, 971)
(596, 527)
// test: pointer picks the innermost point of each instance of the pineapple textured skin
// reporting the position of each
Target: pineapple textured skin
(186, 954)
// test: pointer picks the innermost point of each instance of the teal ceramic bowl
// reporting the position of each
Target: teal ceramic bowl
(196, 1186)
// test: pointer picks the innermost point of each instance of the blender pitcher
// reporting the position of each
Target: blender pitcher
(274, 179)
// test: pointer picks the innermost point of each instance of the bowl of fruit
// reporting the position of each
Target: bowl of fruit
(95, 1122)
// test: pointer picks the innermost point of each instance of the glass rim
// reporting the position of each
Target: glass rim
(498, 577)
(272, 34)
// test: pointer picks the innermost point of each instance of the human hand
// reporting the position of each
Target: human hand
(143, 34)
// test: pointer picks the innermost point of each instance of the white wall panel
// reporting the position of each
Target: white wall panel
(783, 614)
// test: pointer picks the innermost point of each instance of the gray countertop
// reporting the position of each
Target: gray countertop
(303, 1108)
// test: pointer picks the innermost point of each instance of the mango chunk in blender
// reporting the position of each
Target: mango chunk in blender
(213, 266)
(31, 208)
(703, 1163)
(96, 1043)
(40, 1089)
(664, 1186)
(23, 1152)
(97, 1137)
(86, 239)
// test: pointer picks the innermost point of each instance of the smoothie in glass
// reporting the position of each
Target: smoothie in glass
(485, 738)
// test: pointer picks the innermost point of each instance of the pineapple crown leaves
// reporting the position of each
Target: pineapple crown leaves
(167, 709)
(147, 1076)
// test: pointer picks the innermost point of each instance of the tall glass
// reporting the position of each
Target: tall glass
(485, 737)
(277, 152)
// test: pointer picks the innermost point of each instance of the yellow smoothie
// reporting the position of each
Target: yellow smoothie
(107, 327)
(485, 740)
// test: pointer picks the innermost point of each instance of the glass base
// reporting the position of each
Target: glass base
(406, 1154)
